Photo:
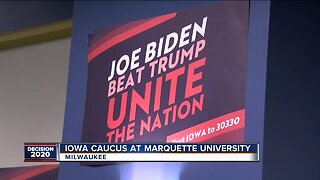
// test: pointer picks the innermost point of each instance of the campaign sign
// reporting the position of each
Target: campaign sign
(177, 77)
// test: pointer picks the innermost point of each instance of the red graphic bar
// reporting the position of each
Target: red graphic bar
(99, 39)
(34, 172)
(210, 129)
(40, 160)
(128, 34)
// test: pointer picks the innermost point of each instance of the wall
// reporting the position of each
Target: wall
(292, 95)
(33, 82)
(15, 15)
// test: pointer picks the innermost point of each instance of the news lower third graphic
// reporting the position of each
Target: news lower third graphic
(40, 152)
(140, 152)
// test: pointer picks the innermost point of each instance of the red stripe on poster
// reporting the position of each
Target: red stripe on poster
(33, 172)
(128, 34)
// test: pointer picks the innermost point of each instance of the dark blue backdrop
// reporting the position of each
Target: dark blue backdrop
(89, 16)
(15, 15)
